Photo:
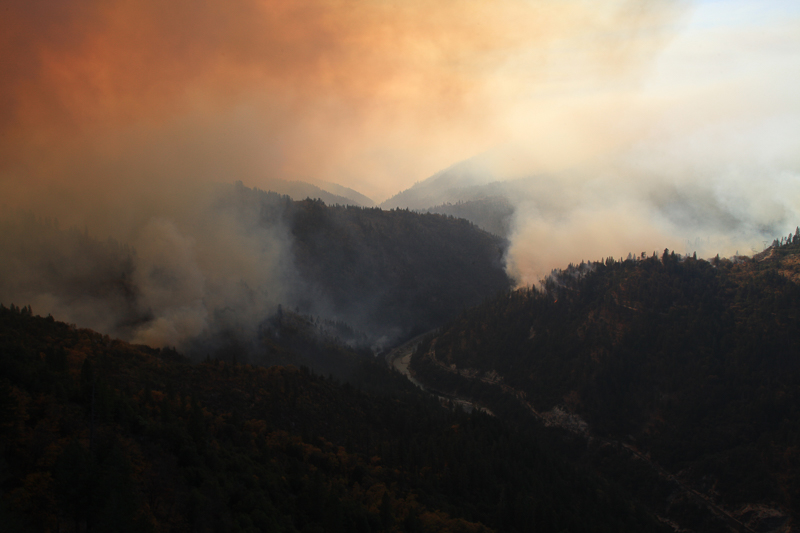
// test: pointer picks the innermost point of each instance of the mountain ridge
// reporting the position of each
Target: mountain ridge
(387, 274)
(330, 193)
(693, 363)
(101, 435)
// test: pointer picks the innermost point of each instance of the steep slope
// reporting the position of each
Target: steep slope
(100, 435)
(355, 197)
(494, 214)
(330, 193)
(215, 275)
(692, 363)
(393, 272)
(448, 185)
(468, 190)
(92, 279)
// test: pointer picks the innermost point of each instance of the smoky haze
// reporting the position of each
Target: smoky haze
(620, 126)
(633, 204)
(181, 273)
(98, 96)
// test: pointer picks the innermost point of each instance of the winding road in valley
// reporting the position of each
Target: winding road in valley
(399, 358)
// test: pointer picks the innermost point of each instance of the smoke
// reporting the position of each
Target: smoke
(649, 125)
(648, 198)
(372, 95)
(717, 188)
(700, 155)
(221, 264)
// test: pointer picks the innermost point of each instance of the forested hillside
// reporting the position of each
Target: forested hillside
(397, 271)
(695, 364)
(100, 435)
(211, 280)
(494, 214)
(90, 278)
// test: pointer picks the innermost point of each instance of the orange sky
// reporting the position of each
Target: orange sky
(109, 107)
(665, 123)
(371, 94)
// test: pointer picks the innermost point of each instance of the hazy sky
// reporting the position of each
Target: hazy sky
(105, 105)
(695, 148)
(371, 94)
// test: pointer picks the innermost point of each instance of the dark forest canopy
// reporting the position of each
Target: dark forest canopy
(696, 363)
(395, 268)
(494, 214)
(386, 274)
(100, 435)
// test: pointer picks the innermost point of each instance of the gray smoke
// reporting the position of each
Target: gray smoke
(219, 264)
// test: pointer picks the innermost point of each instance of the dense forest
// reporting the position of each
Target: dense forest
(100, 435)
(494, 213)
(394, 269)
(385, 274)
(693, 363)
(659, 382)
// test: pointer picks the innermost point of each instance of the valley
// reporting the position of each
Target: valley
(547, 357)
(559, 419)
(313, 266)
(102, 435)
(399, 359)
(645, 377)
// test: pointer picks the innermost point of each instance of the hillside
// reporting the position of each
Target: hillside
(100, 435)
(469, 190)
(465, 190)
(87, 279)
(395, 272)
(689, 362)
(354, 197)
(494, 214)
(448, 185)
(330, 193)
(215, 276)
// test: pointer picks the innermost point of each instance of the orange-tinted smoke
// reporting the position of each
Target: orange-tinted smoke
(381, 92)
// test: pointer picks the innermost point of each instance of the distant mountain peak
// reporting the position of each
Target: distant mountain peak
(443, 187)
(330, 193)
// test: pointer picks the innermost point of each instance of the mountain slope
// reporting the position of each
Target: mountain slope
(693, 363)
(394, 272)
(212, 277)
(468, 190)
(447, 185)
(334, 188)
(494, 214)
(100, 435)
(330, 193)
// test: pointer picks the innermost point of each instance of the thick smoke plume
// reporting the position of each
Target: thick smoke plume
(97, 96)
(647, 125)
(695, 149)
(218, 264)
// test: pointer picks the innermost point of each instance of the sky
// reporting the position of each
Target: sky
(113, 109)
(694, 149)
